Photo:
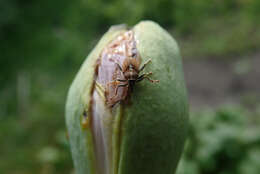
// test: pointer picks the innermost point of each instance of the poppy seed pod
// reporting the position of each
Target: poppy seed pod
(127, 109)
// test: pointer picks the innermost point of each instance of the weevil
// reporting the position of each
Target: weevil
(118, 68)
(130, 70)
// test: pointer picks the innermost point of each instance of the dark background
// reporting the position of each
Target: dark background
(44, 42)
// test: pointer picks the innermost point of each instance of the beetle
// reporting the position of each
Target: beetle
(130, 70)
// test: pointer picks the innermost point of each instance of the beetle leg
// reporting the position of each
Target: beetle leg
(119, 66)
(148, 61)
(146, 76)
(117, 81)
(121, 80)
(121, 85)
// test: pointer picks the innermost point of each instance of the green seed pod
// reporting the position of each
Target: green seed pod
(120, 123)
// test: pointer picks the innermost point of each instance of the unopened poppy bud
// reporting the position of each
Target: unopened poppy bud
(127, 109)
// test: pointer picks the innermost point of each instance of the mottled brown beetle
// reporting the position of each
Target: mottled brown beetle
(130, 71)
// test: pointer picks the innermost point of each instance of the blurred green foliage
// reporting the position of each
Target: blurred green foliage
(50, 34)
(226, 141)
(44, 42)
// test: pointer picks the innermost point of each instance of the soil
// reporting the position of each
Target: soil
(215, 82)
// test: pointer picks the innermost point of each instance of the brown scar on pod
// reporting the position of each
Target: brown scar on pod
(85, 120)
(118, 68)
